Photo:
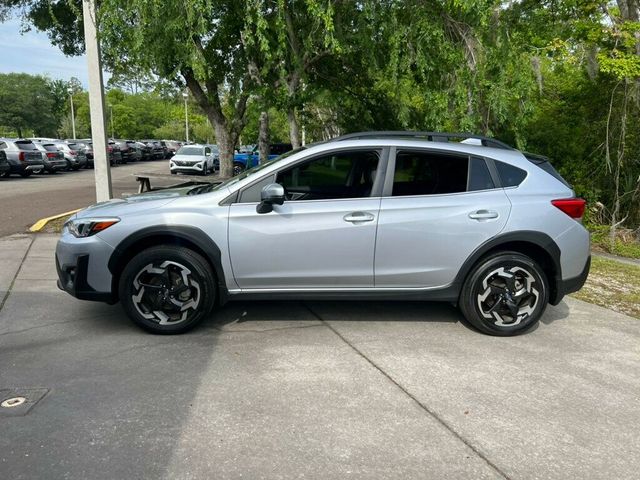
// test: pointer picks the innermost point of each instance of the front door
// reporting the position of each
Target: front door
(323, 236)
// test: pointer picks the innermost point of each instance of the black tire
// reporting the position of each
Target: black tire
(505, 294)
(147, 304)
(26, 174)
(238, 168)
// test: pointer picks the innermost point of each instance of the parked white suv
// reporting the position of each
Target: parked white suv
(382, 215)
(194, 159)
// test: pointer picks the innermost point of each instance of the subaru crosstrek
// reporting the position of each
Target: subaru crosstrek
(386, 215)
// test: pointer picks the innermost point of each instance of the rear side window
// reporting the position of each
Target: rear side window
(479, 176)
(427, 173)
(510, 176)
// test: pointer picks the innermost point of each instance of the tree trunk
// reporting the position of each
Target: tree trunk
(263, 137)
(225, 145)
(294, 129)
(19, 132)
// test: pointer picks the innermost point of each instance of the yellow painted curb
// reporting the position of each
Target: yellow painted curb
(40, 224)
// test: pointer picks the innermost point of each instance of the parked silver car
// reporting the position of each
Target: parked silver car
(52, 158)
(392, 215)
(23, 156)
(195, 159)
(74, 153)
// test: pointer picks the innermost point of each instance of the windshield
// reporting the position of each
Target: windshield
(190, 151)
(248, 173)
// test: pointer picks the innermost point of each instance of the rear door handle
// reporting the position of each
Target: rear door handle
(483, 215)
(357, 217)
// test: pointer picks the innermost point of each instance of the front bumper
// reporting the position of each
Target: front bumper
(82, 268)
(193, 168)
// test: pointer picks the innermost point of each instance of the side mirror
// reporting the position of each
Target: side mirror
(272, 194)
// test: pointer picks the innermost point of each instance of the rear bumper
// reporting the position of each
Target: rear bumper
(26, 167)
(571, 285)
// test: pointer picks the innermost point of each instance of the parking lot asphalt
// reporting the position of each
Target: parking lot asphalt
(26, 200)
(310, 390)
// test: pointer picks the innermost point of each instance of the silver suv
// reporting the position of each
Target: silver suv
(386, 215)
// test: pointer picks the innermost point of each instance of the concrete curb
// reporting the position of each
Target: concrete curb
(40, 224)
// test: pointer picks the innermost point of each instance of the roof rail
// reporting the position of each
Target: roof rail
(430, 136)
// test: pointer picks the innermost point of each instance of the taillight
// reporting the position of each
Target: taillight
(574, 207)
(73, 152)
(51, 155)
(21, 156)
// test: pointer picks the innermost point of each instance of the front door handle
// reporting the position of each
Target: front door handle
(357, 217)
(483, 215)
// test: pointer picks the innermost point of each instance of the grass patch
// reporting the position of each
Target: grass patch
(625, 245)
(613, 285)
(55, 226)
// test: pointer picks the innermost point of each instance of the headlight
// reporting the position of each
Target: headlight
(85, 227)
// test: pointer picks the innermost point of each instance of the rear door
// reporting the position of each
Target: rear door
(437, 208)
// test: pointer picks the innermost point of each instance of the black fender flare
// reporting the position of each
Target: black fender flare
(538, 239)
(160, 234)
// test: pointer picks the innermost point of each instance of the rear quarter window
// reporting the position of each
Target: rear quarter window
(510, 176)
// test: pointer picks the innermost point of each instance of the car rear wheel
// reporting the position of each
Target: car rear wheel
(26, 174)
(505, 294)
(167, 289)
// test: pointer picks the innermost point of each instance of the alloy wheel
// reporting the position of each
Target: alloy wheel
(509, 295)
(166, 293)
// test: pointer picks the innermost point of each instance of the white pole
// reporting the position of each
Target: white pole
(113, 135)
(186, 116)
(102, 169)
(73, 115)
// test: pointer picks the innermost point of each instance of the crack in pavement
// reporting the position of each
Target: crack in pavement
(13, 281)
(424, 407)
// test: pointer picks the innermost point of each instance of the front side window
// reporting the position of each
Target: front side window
(346, 174)
(429, 173)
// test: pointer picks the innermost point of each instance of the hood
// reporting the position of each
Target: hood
(134, 203)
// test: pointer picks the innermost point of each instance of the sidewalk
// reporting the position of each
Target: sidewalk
(326, 390)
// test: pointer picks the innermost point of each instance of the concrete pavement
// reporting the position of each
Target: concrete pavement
(311, 390)
(26, 200)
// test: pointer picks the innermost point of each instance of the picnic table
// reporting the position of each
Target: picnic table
(144, 180)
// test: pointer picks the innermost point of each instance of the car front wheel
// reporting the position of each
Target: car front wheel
(238, 168)
(167, 289)
(505, 294)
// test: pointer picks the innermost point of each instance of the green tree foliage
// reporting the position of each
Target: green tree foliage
(28, 105)
(557, 77)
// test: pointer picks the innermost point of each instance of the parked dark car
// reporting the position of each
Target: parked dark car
(172, 147)
(114, 153)
(52, 158)
(4, 164)
(23, 156)
(141, 151)
(158, 151)
(128, 154)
